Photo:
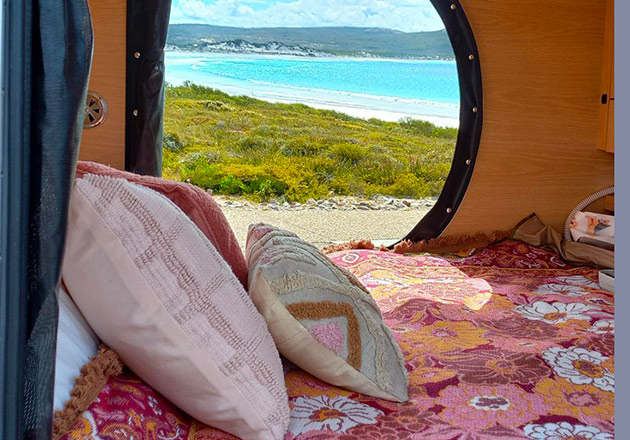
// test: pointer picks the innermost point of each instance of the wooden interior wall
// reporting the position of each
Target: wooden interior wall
(541, 63)
(106, 143)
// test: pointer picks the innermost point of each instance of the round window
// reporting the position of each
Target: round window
(306, 115)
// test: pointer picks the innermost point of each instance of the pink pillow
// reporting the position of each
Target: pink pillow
(155, 290)
(196, 204)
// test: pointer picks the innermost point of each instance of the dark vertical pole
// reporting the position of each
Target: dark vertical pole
(14, 197)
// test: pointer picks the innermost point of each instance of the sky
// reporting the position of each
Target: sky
(403, 15)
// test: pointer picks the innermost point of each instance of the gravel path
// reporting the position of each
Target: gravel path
(341, 220)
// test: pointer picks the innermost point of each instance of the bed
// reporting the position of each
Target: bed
(508, 342)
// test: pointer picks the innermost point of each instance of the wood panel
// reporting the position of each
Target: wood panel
(106, 143)
(606, 138)
(610, 128)
(610, 203)
(542, 67)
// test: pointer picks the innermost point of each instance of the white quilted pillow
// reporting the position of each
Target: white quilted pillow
(76, 345)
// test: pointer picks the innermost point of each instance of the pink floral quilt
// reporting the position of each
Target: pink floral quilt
(508, 343)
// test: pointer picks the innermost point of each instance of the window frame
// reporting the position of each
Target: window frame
(460, 33)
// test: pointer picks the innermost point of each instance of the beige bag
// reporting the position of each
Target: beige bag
(533, 231)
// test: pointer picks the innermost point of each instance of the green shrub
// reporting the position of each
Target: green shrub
(254, 145)
(349, 153)
(230, 185)
(408, 185)
(212, 104)
(265, 191)
(242, 146)
(299, 146)
(199, 158)
(445, 132)
(172, 142)
(426, 128)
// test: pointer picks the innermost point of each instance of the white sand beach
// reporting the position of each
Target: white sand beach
(371, 113)
(183, 66)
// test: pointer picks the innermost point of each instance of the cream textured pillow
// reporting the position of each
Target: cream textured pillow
(321, 317)
(155, 290)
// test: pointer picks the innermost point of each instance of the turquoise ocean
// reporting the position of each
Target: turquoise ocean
(381, 88)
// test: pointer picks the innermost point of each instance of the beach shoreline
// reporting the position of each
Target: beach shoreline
(184, 66)
(383, 115)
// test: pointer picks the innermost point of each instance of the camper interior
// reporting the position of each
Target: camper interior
(138, 302)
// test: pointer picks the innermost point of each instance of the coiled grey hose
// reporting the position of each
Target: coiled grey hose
(583, 204)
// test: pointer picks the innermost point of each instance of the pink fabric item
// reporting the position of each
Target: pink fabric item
(329, 335)
(196, 204)
(156, 291)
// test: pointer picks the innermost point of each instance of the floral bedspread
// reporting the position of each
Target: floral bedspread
(508, 343)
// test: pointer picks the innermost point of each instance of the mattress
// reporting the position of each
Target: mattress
(507, 343)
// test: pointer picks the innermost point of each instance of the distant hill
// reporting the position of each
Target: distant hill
(242, 46)
(342, 41)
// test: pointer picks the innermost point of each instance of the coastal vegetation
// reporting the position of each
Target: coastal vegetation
(237, 145)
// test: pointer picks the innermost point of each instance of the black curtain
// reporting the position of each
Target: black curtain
(60, 57)
(147, 26)
(46, 61)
